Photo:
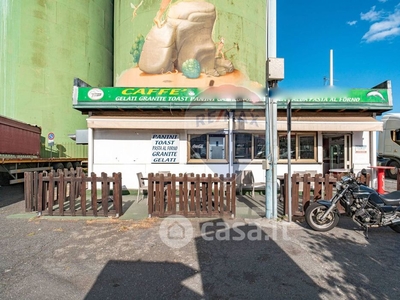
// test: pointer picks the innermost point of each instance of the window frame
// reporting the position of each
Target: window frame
(207, 159)
(298, 136)
(253, 145)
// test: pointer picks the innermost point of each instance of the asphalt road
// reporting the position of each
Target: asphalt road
(223, 259)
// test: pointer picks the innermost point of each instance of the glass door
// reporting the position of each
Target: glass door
(337, 152)
(347, 152)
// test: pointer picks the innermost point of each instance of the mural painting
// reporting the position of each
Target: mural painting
(194, 43)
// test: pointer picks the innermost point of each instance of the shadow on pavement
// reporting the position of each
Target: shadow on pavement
(237, 262)
(142, 280)
(11, 194)
(369, 267)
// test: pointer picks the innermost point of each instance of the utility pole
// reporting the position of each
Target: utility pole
(270, 146)
(274, 73)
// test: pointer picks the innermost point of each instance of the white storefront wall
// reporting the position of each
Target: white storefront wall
(361, 150)
(129, 151)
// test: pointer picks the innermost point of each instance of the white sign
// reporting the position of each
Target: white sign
(361, 148)
(165, 148)
(95, 94)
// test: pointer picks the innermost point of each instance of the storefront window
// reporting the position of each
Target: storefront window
(213, 147)
(249, 146)
(303, 147)
(242, 146)
(306, 147)
(259, 146)
(283, 147)
(217, 146)
(198, 147)
(208, 147)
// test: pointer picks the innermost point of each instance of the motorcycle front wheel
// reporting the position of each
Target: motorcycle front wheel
(313, 217)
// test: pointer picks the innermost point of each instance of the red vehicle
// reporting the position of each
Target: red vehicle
(20, 151)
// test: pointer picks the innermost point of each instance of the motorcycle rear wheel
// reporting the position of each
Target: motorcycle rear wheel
(395, 228)
(313, 214)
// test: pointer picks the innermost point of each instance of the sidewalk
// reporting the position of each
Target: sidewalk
(246, 207)
(223, 259)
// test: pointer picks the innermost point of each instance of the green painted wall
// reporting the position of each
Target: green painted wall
(44, 45)
(245, 23)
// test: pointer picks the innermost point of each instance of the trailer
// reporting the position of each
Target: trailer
(20, 151)
(389, 144)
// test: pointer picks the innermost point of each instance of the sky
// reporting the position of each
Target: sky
(364, 36)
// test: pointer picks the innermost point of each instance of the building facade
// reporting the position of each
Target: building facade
(44, 46)
(228, 136)
(189, 96)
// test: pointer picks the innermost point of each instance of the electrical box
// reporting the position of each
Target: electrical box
(265, 164)
(82, 136)
(275, 68)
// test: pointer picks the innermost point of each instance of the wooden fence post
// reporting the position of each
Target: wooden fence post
(329, 186)
(71, 179)
(28, 191)
(194, 193)
(35, 189)
(286, 192)
(40, 194)
(183, 194)
(216, 188)
(225, 188)
(117, 193)
(105, 191)
(306, 192)
(51, 194)
(207, 203)
(94, 193)
(317, 187)
(173, 194)
(295, 193)
(197, 196)
(82, 193)
(78, 173)
(160, 194)
(150, 194)
(398, 179)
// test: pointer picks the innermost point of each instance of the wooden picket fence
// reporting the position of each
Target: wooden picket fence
(313, 188)
(191, 195)
(64, 193)
(398, 180)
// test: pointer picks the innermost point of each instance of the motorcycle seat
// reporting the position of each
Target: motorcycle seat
(392, 198)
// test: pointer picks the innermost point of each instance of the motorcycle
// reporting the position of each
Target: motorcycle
(363, 204)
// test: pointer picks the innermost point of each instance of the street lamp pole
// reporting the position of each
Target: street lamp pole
(268, 170)
(270, 114)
